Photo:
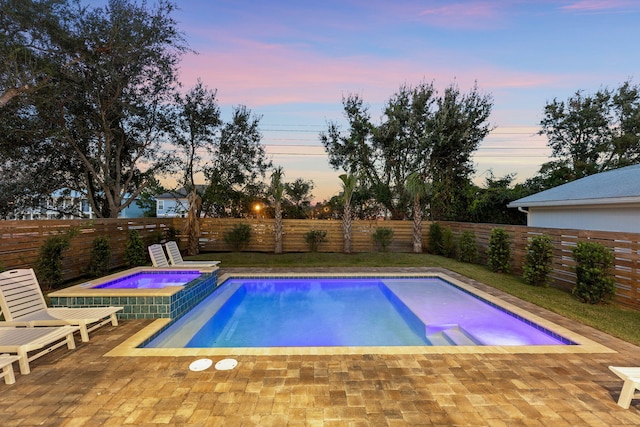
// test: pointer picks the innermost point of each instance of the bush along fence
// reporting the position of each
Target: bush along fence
(21, 243)
(624, 247)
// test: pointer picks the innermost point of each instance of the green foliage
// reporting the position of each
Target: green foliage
(238, 237)
(590, 133)
(49, 262)
(489, 203)
(382, 237)
(100, 257)
(134, 252)
(170, 234)
(537, 262)
(594, 282)
(448, 243)
(468, 247)
(314, 238)
(422, 130)
(104, 74)
(435, 243)
(499, 251)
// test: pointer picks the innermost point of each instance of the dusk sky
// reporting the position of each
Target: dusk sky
(293, 61)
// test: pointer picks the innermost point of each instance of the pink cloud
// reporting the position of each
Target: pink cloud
(600, 5)
(258, 74)
(472, 15)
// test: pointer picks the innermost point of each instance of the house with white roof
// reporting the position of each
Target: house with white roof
(607, 201)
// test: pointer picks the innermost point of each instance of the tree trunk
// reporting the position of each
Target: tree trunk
(417, 228)
(192, 226)
(277, 228)
(346, 229)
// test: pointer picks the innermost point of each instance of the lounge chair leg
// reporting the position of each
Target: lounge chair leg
(71, 342)
(24, 362)
(627, 393)
(84, 333)
(7, 373)
(114, 319)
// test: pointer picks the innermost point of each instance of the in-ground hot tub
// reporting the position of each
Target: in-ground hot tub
(144, 292)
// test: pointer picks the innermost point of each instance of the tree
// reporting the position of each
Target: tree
(589, 134)
(238, 163)
(299, 194)
(276, 191)
(32, 41)
(349, 182)
(460, 124)
(420, 132)
(489, 203)
(196, 122)
(102, 113)
(418, 189)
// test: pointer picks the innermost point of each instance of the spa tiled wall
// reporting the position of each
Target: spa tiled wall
(148, 307)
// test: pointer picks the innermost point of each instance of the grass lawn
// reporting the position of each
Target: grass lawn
(611, 318)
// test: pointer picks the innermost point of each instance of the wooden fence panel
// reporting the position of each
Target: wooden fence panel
(625, 247)
(20, 242)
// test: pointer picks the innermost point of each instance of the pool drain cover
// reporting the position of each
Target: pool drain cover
(226, 364)
(200, 364)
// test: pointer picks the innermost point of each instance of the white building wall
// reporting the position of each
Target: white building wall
(625, 219)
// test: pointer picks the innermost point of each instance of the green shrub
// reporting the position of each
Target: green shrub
(468, 247)
(314, 238)
(49, 262)
(537, 261)
(382, 238)
(499, 251)
(99, 260)
(134, 252)
(171, 234)
(594, 282)
(435, 239)
(448, 243)
(238, 237)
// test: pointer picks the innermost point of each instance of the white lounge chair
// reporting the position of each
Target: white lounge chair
(23, 304)
(631, 377)
(158, 257)
(6, 363)
(23, 340)
(176, 258)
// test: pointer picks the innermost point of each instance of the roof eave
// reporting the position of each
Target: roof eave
(577, 202)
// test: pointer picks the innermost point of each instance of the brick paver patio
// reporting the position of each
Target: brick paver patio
(85, 388)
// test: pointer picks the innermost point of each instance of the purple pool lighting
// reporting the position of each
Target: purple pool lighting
(151, 280)
(319, 312)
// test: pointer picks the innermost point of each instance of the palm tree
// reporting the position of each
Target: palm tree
(349, 182)
(417, 188)
(276, 190)
(192, 226)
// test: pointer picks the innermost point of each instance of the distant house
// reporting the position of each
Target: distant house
(172, 204)
(70, 204)
(608, 201)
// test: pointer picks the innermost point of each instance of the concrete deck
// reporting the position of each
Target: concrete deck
(84, 387)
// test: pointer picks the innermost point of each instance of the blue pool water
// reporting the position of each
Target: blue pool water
(269, 312)
(151, 280)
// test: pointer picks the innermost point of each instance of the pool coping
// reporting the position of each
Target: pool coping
(88, 289)
(583, 345)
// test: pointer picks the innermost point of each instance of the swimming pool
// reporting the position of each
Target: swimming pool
(349, 312)
(150, 280)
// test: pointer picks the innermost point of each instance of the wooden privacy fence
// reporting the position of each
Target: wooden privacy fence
(212, 231)
(20, 243)
(625, 247)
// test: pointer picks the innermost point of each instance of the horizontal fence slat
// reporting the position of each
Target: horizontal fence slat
(20, 242)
